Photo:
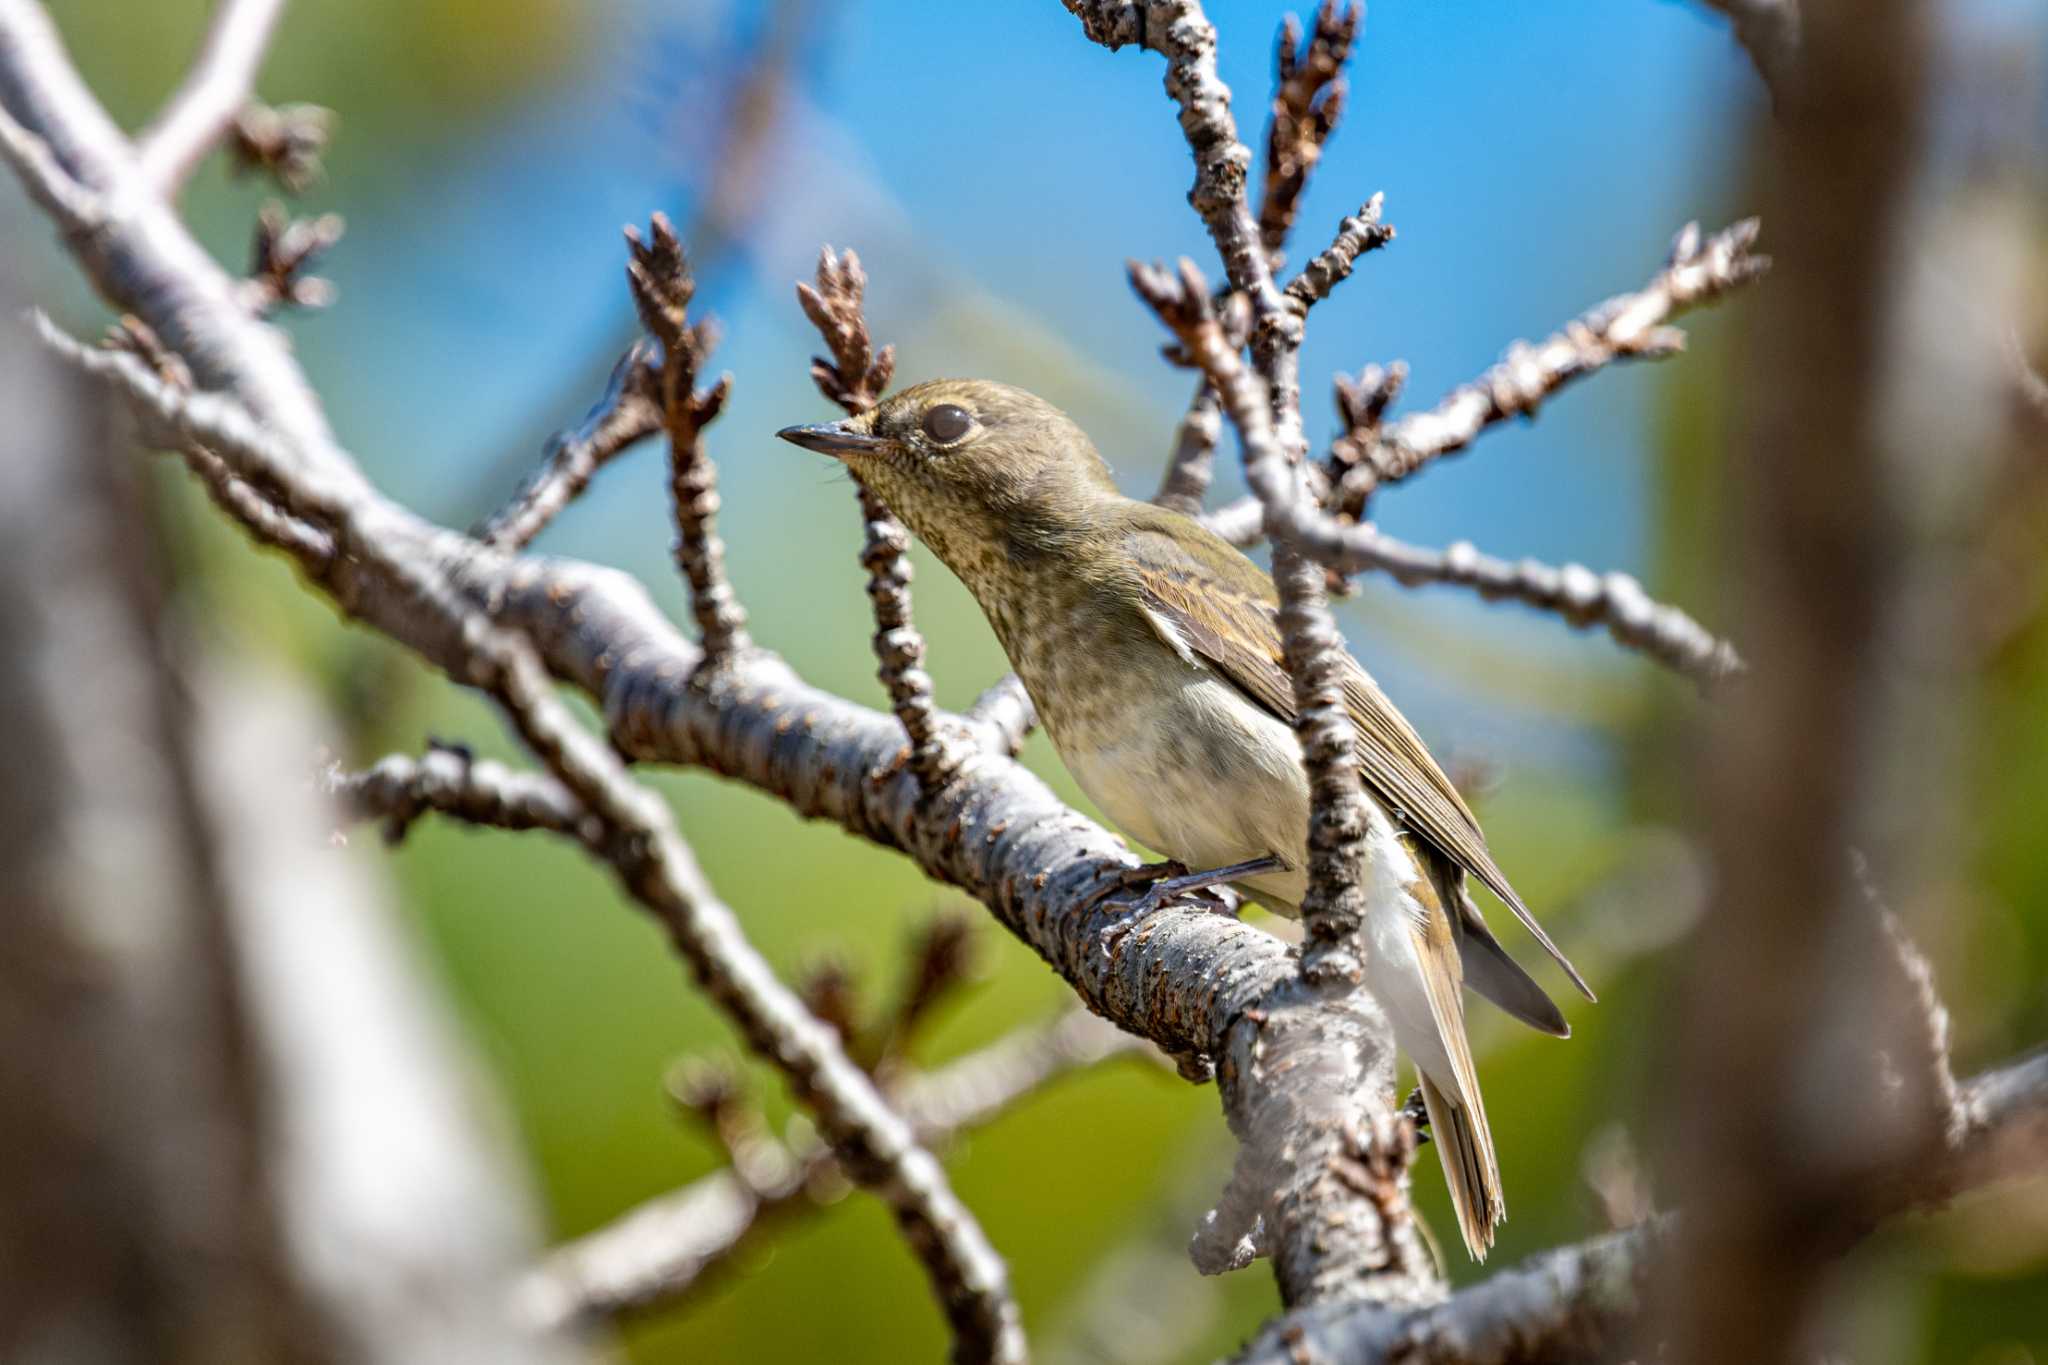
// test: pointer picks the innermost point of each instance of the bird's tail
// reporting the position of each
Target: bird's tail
(1457, 1116)
(1465, 1146)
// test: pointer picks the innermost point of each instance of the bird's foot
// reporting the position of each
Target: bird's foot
(1163, 882)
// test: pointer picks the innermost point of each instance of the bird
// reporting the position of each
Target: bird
(1150, 647)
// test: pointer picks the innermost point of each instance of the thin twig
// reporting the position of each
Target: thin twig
(398, 789)
(199, 115)
(1629, 326)
(1937, 1069)
(662, 287)
(627, 412)
(1292, 1195)
(249, 507)
(1357, 234)
(75, 208)
(1583, 598)
(1307, 100)
(1265, 407)
(854, 377)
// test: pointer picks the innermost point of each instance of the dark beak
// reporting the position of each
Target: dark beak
(837, 439)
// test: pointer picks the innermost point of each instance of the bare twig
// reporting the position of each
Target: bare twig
(1361, 232)
(668, 1248)
(1917, 974)
(255, 511)
(215, 89)
(662, 289)
(1583, 598)
(398, 789)
(1578, 594)
(257, 514)
(283, 249)
(1628, 326)
(1330, 1234)
(854, 378)
(1307, 100)
(628, 411)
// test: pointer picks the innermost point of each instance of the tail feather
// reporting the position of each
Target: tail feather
(1457, 1115)
(1466, 1149)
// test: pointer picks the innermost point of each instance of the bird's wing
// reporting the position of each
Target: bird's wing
(1207, 598)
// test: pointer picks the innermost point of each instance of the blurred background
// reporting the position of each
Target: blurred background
(994, 170)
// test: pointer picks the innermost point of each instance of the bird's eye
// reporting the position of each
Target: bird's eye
(946, 423)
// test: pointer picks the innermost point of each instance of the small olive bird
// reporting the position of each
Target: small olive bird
(1150, 647)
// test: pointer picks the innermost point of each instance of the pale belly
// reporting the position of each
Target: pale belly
(1188, 767)
(1196, 772)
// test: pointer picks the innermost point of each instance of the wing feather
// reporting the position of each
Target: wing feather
(1222, 607)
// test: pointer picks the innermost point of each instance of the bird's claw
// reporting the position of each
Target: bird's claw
(1157, 884)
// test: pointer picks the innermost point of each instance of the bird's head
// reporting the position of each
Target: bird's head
(981, 472)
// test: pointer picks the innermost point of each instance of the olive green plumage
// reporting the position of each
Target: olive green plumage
(1151, 648)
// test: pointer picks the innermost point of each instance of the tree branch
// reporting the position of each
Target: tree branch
(854, 378)
(626, 413)
(1586, 1301)
(1307, 100)
(1613, 601)
(215, 89)
(398, 789)
(1628, 326)
(662, 289)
